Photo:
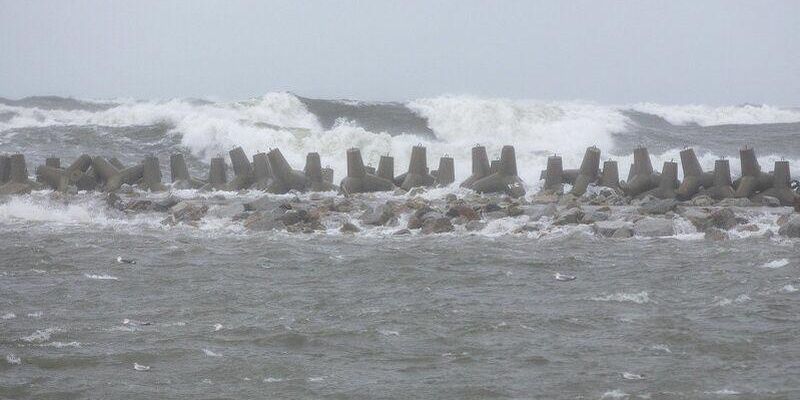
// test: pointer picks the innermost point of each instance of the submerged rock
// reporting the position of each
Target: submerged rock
(609, 228)
(653, 227)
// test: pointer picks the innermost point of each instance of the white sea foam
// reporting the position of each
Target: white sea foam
(638, 298)
(9, 315)
(615, 394)
(789, 289)
(12, 359)
(40, 336)
(211, 353)
(102, 277)
(662, 347)
(709, 115)
(37, 314)
(59, 345)
(776, 263)
(726, 392)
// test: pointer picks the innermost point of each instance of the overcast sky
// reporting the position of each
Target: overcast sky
(713, 52)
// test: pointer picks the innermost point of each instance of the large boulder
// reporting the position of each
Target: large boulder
(791, 228)
(723, 218)
(609, 228)
(658, 207)
(437, 225)
(653, 227)
(568, 216)
(380, 215)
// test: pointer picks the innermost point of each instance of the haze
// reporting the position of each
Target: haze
(713, 52)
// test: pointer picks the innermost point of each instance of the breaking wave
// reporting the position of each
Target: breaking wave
(702, 115)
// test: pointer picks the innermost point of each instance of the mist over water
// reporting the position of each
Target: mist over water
(216, 310)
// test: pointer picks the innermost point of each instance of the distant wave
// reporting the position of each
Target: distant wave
(702, 115)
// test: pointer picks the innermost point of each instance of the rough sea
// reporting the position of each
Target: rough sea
(219, 312)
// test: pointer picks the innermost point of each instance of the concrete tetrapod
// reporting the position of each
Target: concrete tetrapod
(693, 176)
(313, 172)
(723, 186)
(752, 180)
(54, 178)
(554, 174)
(610, 176)
(179, 173)
(116, 163)
(103, 169)
(262, 173)
(5, 168)
(284, 177)
(53, 162)
(151, 175)
(780, 189)
(588, 172)
(386, 168)
(480, 166)
(327, 175)
(505, 180)
(358, 180)
(641, 177)
(417, 174)
(668, 181)
(127, 176)
(217, 175)
(18, 181)
(446, 174)
(242, 170)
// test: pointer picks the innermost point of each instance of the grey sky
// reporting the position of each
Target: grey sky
(715, 52)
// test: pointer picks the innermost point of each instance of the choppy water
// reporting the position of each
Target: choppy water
(239, 314)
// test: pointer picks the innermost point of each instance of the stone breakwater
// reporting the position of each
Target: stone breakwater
(647, 204)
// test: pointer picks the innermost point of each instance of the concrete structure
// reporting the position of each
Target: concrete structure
(588, 172)
(752, 180)
(480, 166)
(18, 181)
(505, 180)
(116, 163)
(693, 176)
(327, 175)
(217, 175)
(53, 177)
(668, 181)
(262, 173)
(315, 182)
(386, 168)
(127, 176)
(641, 177)
(417, 174)
(5, 168)
(103, 169)
(151, 175)
(242, 170)
(780, 188)
(53, 162)
(284, 177)
(179, 173)
(358, 180)
(446, 174)
(554, 174)
(610, 176)
(723, 185)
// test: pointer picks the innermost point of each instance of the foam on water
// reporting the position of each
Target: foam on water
(709, 115)
(40, 336)
(638, 298)
(101, 277)
(776, 263)
(211, 353)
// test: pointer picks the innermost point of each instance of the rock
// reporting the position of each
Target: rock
(545, 198)
(262, 221)
(472, 226)
(723, 218)
(348, 227)
(568, 201)
(791, 228)
(783, 219)
(699, 218)
(187, 212)
(294, 216)
(514, 211)
(749, 228)
(378, 216)
(569, 216)
(437, 225)
(450, 198)
(265, 203)
(716, 234)
(11, 188)
(529, 227)
(658, 207)
(494, 215)
(464, 211)
(622, 233)
(770, 201)
(735, 202)
(653, 227)
(491, 207)
(702, 201)
(402, 232)
(536, 212)
(590, 217)
(608, 228)
(228, 210)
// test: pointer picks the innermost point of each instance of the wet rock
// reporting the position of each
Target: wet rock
(348, 227)
(569, 216)
(716, 234)
(590, 217)
(378, 216)
(536, 212)
(495, 215)
(658, 207)
(529, 227)
(437, 225)
(472, 226)
(185, 212)
(609, 228)
(723, 218)
(228, 210)
(12, 188)
(265, 203)
(770, 201)
(491, 207)
(791, 228)
(735, 202)
(653, 227)
(402, 232)
(545, 198)
(702, 201)
(263, 221)
(514, 211)
(622, 233)
(698, 217)
(463, 211)
(749, 228)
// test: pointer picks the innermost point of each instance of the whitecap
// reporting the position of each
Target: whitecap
(211, 353)
(726, 392)
(40, 336)
(776, 263)
(9, 315)
(632, 376)
(386, 332)
(638, 298)
(13, 359)
(615, 394)
(37, 314)
(789, 289)
(101, 277)
(59, 345)
(273, 380)
(217, 327)
(662, 347)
